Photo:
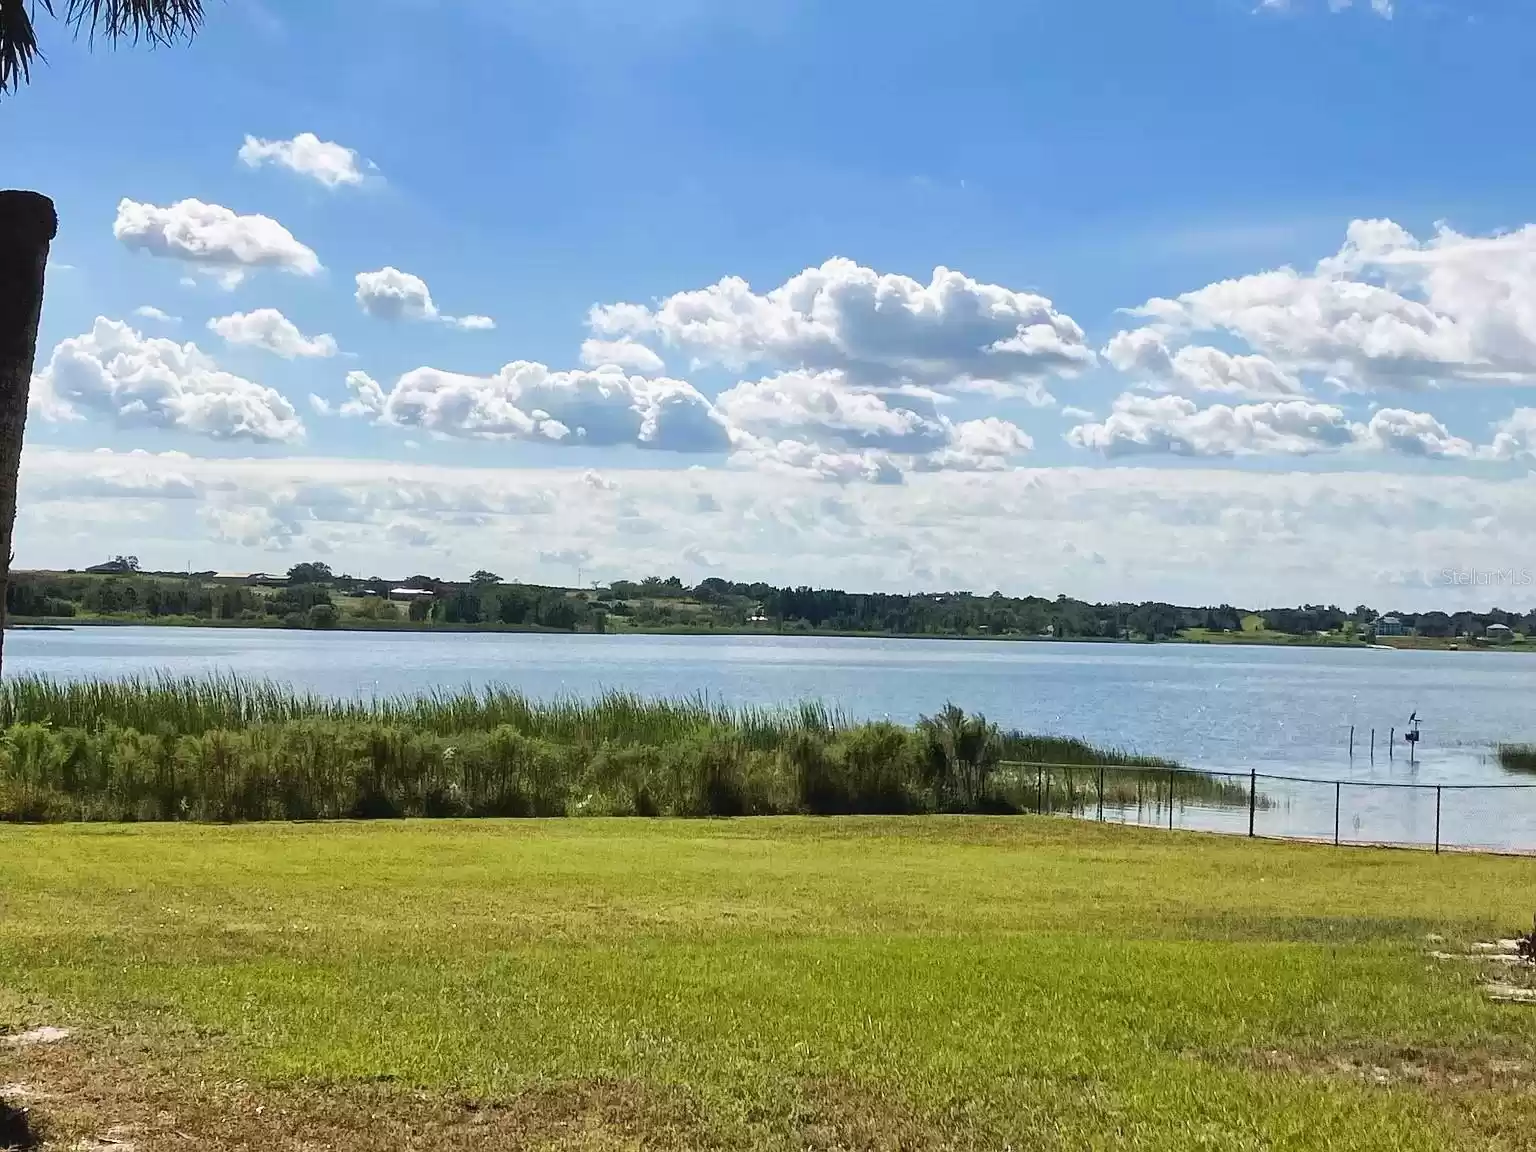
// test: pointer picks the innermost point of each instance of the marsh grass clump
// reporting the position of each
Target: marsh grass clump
(1069, 787)
(230, 749)
(1517, 757)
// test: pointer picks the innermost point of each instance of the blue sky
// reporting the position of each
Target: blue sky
(1033, 421)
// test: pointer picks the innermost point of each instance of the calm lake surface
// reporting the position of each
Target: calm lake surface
(1276, 711)
(1280, 709)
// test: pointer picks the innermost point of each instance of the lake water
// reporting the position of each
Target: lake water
(1283, 711)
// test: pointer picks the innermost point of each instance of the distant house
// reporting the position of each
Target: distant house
(117, 567)
(1390, 626)
(1500, 633)
(263, 579)
(409, 594)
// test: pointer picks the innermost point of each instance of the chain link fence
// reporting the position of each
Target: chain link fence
(1437, 817)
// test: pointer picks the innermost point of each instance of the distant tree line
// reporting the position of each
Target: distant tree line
(964, 613)
(307, 597)
(62, 596)
(49, 594)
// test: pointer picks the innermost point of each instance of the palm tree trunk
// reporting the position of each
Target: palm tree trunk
(28, 224)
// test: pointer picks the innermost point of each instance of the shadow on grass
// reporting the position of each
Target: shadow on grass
(17, 1132)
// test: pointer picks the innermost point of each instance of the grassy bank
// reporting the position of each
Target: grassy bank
(1261, 636)
(231, 749)
(779, 984)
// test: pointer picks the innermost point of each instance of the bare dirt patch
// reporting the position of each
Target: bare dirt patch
(112, 1095)
(1431, 1068)
(47, 1034)
(842, 1115)
(102, 1096)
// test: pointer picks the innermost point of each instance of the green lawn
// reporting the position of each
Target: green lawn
(779, 983)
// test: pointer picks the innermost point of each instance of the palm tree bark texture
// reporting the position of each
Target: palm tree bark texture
(28, 225)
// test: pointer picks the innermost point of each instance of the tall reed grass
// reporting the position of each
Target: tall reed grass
(229, 748)
(193, 705)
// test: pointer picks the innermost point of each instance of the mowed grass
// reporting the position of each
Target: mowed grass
(785, 983)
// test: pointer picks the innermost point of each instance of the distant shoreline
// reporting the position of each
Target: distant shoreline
(352, 624)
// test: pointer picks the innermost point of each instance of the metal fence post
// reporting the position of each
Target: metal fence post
(1283, 826)
(1437, 819)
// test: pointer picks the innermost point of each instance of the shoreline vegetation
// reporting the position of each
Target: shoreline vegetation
(232, 749)
(311, 596)
(1188, 636)
(1517, 757)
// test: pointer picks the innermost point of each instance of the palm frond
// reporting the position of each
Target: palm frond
(150, 21)
(136, 21)
(18, 45)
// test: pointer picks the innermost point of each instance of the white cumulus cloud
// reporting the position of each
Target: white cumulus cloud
(798, 458)
(822, 407)
(331, 164)
(249, 527)
(1387, 310)
(629, 354)
(528, 401)
(1178, 426)
(113, 371)
(367, 397)
(1144, 352)
(212, 238)
(981, 445)
(1514, 436)
(817, 424)
(150, 312)
(390, 294)
(269, 329)
(1412, 434)
(879, 329)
